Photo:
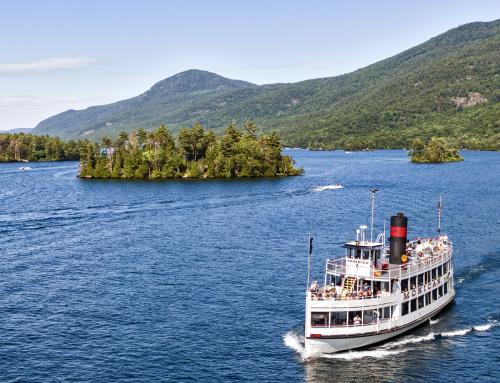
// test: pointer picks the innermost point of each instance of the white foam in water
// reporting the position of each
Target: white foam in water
(434, 321)
(456, 332)
(460, 280)
(412, 340)
(327, 187)
(295, 342)
(485, 327)
(352, 355)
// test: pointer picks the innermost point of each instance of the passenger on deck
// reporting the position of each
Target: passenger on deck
(357, 320)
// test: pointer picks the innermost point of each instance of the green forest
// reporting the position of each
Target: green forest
(28, 147)
(437, 150)
(448, 86)
(195, 153)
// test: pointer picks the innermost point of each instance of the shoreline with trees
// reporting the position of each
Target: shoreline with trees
(23, 147)
(194, 153)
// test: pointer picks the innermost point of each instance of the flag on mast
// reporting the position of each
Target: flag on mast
(310, 244)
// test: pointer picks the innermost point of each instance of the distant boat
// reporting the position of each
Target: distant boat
(328, 187)
(346, 152)
(25, 168)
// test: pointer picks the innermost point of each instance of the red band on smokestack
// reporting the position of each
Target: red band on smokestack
(397, 231)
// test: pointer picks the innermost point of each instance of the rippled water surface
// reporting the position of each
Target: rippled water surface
(204, 280)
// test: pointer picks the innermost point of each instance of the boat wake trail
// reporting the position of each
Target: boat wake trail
(327, 187)
(295, 341)
(434, 321)
(353, 355)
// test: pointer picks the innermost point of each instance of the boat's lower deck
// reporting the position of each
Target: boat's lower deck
(325, 342)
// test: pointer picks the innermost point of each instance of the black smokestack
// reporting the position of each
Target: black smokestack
(399, 224)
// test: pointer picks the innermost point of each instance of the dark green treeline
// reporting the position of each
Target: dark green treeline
(196, 153)
(28, 147)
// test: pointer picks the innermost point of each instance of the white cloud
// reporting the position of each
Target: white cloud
(43, 65)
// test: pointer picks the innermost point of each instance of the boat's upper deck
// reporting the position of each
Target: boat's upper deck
(421, 254)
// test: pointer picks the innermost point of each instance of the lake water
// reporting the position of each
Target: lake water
(204, 280)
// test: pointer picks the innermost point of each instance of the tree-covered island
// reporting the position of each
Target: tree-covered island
(435, 151)
(196, 153)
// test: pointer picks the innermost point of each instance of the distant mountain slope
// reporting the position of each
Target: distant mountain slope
(158, 105)
(17, 130)
(448, 86)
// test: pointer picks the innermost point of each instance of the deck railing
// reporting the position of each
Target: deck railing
(338, 266)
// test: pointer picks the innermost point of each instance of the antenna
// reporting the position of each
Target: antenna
(373, 191)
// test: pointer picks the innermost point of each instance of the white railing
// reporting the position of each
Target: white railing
(338, 266)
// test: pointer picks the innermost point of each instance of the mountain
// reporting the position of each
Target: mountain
(448, 86)
(162, 103)
(18, 130)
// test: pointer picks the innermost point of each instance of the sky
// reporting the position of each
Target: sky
(59, 55)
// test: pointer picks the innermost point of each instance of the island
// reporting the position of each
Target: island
(437, 150)
(195, 153)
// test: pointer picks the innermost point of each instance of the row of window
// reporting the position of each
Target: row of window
(351, 318)
(363, 317)
(424, 300)
(425, 278)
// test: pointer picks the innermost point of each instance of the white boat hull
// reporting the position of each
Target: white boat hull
(317, 346)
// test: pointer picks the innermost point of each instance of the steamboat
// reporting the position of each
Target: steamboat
(376, 292)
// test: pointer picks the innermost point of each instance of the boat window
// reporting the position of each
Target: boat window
(433, 273)
(413, 282)
(421, 302)
(440, 270)
(440, 291)
(319, 319)
(355, 318)
(338, 318)
(427, 277)
(404, 308)
(369, 316)
(385, 287)
(445, 267)
(445, 287)
(421, 279)
(358, 253)
(434, 295)
(404, 284)
(413, 305)
(428, 298)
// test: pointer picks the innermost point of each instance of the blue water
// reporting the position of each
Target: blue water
(204, 280)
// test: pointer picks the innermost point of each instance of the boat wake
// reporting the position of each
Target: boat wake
(295, 341)
(434, 321)
(353, 355)
(327, 187)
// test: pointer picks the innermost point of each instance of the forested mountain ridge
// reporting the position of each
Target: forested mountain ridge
(447, 86)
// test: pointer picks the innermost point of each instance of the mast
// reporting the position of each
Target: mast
(309, 252)
(373, 191)
(439, 215)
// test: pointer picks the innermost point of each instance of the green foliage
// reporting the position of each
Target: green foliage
(199, 154)
(28, 147)
(436, 151)
(385, 105)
